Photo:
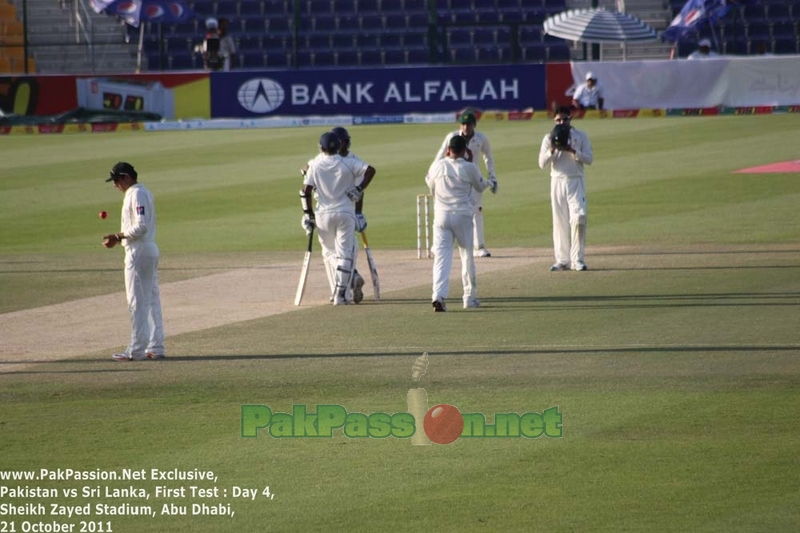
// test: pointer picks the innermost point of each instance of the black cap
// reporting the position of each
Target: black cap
(458, 143)
(329, 143)
(341, 133)
(467, 117)
(122, 169)
(564, 110)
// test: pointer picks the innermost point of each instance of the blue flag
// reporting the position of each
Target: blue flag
(135, 11)
(694, 15)
(169, 11)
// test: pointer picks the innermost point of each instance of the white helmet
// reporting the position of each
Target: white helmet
(211, 23)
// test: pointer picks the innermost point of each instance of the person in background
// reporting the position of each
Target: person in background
(703, 51)
(227, 48)
(588, 95)
(210, 47)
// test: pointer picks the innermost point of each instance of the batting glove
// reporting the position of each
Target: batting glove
(355, 193)
(361, 222)
(308, 224)
(493, 185)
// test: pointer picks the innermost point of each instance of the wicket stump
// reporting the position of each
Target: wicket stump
(424, 205)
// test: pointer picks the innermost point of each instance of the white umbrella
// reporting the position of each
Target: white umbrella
(598, 26)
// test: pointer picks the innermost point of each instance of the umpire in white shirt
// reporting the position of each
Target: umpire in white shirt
(452, 181)
(588, 95)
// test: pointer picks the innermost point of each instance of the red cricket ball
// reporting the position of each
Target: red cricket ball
(443, 424)
(103, 214)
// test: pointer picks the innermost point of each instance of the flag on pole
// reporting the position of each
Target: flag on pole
(135, 11)
(694, 15)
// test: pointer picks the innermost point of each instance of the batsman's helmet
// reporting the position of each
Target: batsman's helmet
(341, 133)
(329, 143)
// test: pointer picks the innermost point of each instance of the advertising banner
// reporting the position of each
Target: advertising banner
(697, 84)
(385, 91)
(178, 95)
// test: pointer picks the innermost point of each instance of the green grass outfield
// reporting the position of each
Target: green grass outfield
(675, 360)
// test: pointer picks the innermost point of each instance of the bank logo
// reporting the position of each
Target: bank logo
(261, 95)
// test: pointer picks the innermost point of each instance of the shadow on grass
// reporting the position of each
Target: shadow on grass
(101, 371)
(670, 268)
(495, 303)
(154, 365)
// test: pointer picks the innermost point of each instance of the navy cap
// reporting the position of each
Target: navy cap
(122, 169)
(341, 133)
(458, 143)
(329, 142)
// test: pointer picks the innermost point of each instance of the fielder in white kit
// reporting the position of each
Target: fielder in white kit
(138, 236)
(567, 150)
(452, 181)
(338, 185)
(478, 147)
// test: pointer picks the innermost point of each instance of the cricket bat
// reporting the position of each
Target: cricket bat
(301, 286)
(373, 270)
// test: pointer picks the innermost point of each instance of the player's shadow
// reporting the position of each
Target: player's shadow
(60, 367)
(640, 301)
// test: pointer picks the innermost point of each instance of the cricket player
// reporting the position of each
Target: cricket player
(138, 237)
(477, 148)
(364, 170)
(452, 181)
(566, 150)
(338, 186)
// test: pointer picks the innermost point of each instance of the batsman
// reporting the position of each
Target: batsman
(338, 185)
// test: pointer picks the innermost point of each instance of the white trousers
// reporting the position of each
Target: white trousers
(336, 233)
(448, 230)
(144, 299)
(477, 218)
(568, 199)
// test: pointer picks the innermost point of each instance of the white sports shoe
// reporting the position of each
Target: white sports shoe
(580, 266)
(481, 252)
(128, 357)
(555, 267)
(472, 302)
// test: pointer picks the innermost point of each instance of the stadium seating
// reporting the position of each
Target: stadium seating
(347, 58)
(390, 32)
(252, 59)
(785, 46)
(785, 29)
